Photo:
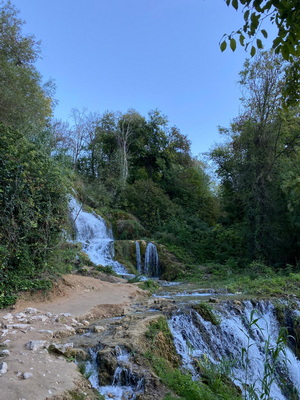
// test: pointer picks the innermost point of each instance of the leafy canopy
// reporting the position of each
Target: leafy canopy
(285, 14)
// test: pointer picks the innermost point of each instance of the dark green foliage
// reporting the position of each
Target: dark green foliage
(33, 208)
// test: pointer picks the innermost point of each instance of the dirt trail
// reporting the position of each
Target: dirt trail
(34, 374)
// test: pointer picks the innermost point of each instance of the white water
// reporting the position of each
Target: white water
(151, 267)
(196, 338)
(96, 238)
(125, 383)
(138, 257)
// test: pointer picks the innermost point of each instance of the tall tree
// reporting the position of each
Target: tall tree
(25, 103)
(250, 164)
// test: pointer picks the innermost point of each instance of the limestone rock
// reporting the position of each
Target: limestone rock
(61, 348)
(27, 375)
(35, 345)
(3, 368)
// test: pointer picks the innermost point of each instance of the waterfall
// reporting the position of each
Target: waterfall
(96, 238)
(246, 334)
(138, 257)
(151, 267)
(126, 383)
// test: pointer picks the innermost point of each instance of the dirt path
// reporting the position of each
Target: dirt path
(27, 370)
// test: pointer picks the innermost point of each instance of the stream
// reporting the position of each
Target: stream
(242, 335)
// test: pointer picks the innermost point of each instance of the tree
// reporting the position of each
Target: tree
(251, 164)
(25, 103)
(285, 14)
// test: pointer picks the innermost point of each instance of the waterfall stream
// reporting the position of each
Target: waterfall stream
(96, 238)
(245, 339)
(151, 265)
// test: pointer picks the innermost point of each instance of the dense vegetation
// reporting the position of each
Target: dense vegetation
(139, 172)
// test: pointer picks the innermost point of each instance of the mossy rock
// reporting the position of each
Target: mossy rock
(206, 312)
(170, 267)
(125, 253)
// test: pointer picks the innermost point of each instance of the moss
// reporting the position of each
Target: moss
(160, 341)
(125, 253)
(170, 266)
(149, 285)
(206, 312)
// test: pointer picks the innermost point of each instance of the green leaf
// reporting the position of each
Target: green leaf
(232, 44)
(252, 51)
(223, 45)
(246, 15)
(242, 40)
(235, 4)
(259, 44)
(264, 33)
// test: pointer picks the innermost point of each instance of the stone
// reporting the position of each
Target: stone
(18, 326)
(20, 315)
(4, 353)
(48, 332)
(98, 329)
(35, 345)
(8, 316)
(27, 375)
(3, 368)
(213, 300)
(42, 318)
(60, 348)
(31, 310)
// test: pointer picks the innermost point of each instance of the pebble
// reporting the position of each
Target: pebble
(27, 375)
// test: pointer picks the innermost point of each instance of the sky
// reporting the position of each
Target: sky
(142, 54)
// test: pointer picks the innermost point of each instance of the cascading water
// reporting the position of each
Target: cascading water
(246, 338)
(138, 257)
(97, 240)
(125, 384)
(151, 265)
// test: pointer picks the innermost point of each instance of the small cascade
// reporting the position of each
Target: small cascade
(138, 257)
(96, 238)
(126, 383)
(244, 339)
(151, 267)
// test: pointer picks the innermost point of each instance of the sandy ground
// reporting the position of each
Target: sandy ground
(34, 323)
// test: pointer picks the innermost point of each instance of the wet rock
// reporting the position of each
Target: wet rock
(213, 300)
(3, 368)
(98, 329)
(107, 363)
(35, 345)
(78, 354)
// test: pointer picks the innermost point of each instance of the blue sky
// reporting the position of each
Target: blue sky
(141, 54)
